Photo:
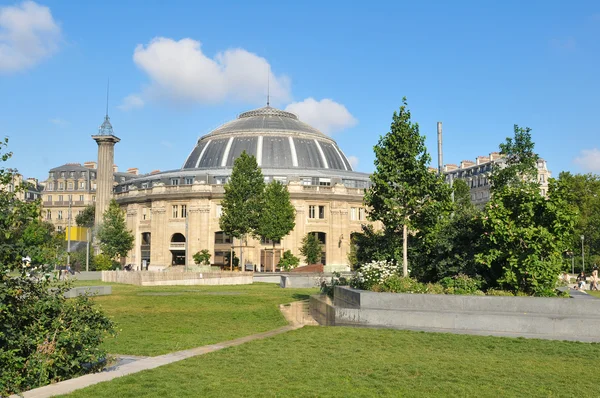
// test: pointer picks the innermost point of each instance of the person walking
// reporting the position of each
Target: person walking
(594, 284)
(581, 281)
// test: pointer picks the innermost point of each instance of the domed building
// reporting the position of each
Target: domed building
(175, 214)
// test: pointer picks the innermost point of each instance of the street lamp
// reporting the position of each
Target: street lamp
(582, 255)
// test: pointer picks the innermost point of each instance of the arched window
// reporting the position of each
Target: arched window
(177, 237)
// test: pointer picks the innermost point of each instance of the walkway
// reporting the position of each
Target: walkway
(291, 312)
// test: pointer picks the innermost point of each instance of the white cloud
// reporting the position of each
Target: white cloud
(180, 72)
(28, 34)
(132, 101)
(59, 122)
(353, 162)
(589, 160)
(325, 115)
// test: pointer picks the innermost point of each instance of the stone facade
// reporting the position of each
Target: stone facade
(158, 216)
(477, 175)
(32, 191)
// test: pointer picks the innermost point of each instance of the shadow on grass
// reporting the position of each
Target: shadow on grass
(301, 296)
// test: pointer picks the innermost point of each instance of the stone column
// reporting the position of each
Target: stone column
(104, 174)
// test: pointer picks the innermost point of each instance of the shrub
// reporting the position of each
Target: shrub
(103, 263)
(288, 261)
(461, 284)
(336, 280)
(494, 292)
(399, 284)
(202, 257)
(434, 288)
(44, 337)
(374, 273)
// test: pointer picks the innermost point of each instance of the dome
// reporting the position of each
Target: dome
(276, 138)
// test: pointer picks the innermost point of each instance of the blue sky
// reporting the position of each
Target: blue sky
(179, 69)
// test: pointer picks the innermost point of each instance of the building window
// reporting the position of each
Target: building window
(49, 214)
(325, 182)
(62, 174)
(81, 198)
(93, 175)
(220, 180)
(321, 212)
(79, 212)
(82, 185)
(183, 211)
(93, 198)
(542, 179)
(61, 186)
(189, 180)
(144, 185)
(174, 181)
(70, 198)
(219, 211)
(175, 211)
(353, 213)
(49, 198)
(50, 186)
(316, 211)
(222, 238)
(60, 198)
(361, 214)
(72, 174)
(60, 214)
(144, 211)
(51, 176)
(306, 181)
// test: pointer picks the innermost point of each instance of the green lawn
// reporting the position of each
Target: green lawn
(348, 362)
(158, 320)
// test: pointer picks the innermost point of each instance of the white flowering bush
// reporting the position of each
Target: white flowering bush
(374, 273)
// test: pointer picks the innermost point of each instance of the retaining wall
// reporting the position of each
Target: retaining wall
(154, 278)
(91, 290)
(554, 318)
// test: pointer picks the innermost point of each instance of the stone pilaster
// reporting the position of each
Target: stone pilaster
(104, 174)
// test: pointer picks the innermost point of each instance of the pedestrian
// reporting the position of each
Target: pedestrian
(581, 281)
(594, 284)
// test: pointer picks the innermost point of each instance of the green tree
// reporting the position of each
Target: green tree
(288, 261)
(86, 218)
(404, 193)
(202, 257)
(242, 202)
(277, 217)
(115, 239)
(524, 233)
(311, 248)
(44, 337)
(583, 191)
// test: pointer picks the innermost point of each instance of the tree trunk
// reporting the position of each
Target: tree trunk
(405, 250)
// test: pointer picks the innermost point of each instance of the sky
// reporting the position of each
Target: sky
(179, 69)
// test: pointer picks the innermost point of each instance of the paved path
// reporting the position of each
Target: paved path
(67, 386)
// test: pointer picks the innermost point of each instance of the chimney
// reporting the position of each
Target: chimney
(155, 172)
(450, 167)
(90, 165)
(133, 170)
(482, 159)
(115, 168)
(495, 156)
(466, 163)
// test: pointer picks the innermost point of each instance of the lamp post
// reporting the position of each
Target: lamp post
(582, 254)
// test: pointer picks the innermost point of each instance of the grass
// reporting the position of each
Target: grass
(158, 320)
(595, 293)
(349, 362)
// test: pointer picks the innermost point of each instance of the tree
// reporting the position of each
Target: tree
(242, 202)
(277, 217)
(288, 261)
(311, 248)
(402, 188)
(115, 239)
(44, 337)
(524, 233)
(86, 218)
(583, 191)
(202, 257)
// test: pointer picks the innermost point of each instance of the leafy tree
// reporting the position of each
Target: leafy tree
(115, 239)
(102, 262)
(277, 217)
(403, 190)
(44, 337)
(242, 202)
(583, 191)
(86, 218)
(370, 245)
(288, 261)
(525, 234)
(311, 248)
(202, 257)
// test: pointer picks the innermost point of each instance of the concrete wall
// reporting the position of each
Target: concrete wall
(150, 278)
(91, 290)
(551, 318)
(88, 276)
(308, 280)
